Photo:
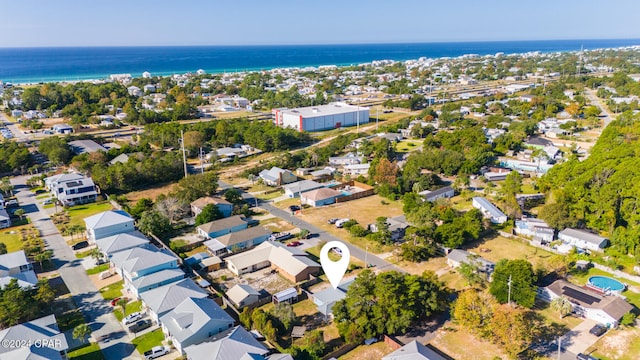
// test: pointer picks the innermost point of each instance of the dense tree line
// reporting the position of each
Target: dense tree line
(372, 306)
(601, 192)
(18, 305)
(14, 156)
(55, 149)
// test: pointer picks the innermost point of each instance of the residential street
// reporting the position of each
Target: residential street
(95, 309)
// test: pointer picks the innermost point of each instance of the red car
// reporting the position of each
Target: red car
(115, 301)
(294, 243)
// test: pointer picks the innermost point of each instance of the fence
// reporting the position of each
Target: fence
(340, 351)
(368, 191)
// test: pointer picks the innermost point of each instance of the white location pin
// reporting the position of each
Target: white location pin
(335, 269)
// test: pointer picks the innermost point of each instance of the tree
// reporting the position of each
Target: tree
(386, 172)
(152, 222)
(474, 310)
(171, 207)
(56, 149)
(233, 196)
(562, 305)
(45, 294)
(141, 206)
(122, 303)
(470, 271)
(520, 273)
(81, 332)
(314, 342)
(557, 215)
(285, 315)
(196, 186)
(209, 213)
(512, 184)
(3, 248)
(42, 256)
(193, 140)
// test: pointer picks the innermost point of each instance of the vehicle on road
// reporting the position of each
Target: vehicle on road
(598, 330)
(140, 325)
(80, 245)
(131, 318)
(294, 243)
(157, 351)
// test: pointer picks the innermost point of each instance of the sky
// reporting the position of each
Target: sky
(42, 23)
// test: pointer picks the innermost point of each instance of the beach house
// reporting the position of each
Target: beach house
(108, 223)
(38, 339)
(15, 265)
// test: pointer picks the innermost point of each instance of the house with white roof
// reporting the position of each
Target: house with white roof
(233, 344)
(293, 190)
(108, 223)
(41, 338)
(291, 263)
(160, 301)
(277, 177)
(115, 243)
(15, 265)
(62, 128)
(457, 257)
(155, 280)
(489, 210)
(348, 159)
(445, 192)
(327, 298)
(193, 321)
(72, 188)
(237, 241)
(583, 239)
(536, 228)
(356, 169)
(136, 262)
(221, 227)
(415, 351)
(242, 295)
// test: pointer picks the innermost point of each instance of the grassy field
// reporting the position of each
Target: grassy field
(374, 351)
(499, 247)
(89, 352)
(78, 213)
(98, 269)
(11, 238)
(112, 291)
(131, 307)
(147, 341)
(433, 264)
(151, 193)
(408, 145)
(458, 343)
(618, 344)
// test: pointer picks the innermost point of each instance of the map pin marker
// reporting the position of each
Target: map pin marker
(335, 269)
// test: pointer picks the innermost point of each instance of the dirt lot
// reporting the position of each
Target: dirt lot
(460, 344)
(261, 279)
(151, 193)
(374, 351)
(99, 284)
(623, 344)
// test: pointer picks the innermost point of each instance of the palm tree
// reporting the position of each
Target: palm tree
(20, 213)
(123, 304)
(81, 332)
(562, 305)
(43, 256)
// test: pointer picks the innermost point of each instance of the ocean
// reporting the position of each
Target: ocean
(32, 65)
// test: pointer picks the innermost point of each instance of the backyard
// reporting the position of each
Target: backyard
(11, 237)
(112, 291)
(147, 341)
(78, 213)
(89, 352)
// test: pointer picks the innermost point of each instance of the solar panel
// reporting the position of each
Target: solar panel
(580, 296)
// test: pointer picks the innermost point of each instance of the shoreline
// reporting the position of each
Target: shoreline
(26, 81)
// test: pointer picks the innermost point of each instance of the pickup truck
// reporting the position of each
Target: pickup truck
(157, 351)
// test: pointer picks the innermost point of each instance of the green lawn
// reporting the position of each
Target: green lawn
(83, 254)
(12, 241)
(131, 307)
(269, 196)
(98, 269)
(70, 319)
(112, 291)
(89, 352)
(43, 196)
(147, 341)
(407, 145)
(78, 213)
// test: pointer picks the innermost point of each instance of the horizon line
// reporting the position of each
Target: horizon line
(309, 44)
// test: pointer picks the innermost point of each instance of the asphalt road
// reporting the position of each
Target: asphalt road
(96, 310)
(595, 100)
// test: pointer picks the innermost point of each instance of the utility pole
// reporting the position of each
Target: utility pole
(366, 253)
(201, 160)
(509, 296)
(184, 156)
(358, 118)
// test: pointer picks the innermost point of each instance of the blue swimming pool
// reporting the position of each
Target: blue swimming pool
(606, 283)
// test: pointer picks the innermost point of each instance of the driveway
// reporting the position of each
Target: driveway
(96, 310)
(578, 339)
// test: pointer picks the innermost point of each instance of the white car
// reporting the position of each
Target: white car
(131, 318)
(157, 351)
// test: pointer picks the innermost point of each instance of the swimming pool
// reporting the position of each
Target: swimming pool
(605, 283)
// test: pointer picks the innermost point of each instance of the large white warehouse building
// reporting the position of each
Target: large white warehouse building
(322, 117)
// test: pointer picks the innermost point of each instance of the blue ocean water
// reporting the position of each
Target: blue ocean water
(20, 65)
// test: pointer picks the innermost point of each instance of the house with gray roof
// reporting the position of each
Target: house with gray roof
(445, 192)
(155, 280)
(237, 241)
(42, 338)
(120, 242)
(325, 299)
(583, 239)
(193, 321)
(15, 265)
(536, 228)
(457, 257)
(108, 223)
(5, 219)
(347, 159)
(320, 197)
(161, 300)
(415, 351)
(233, 344)
(221, 227)
(242, 295)
(489, 210)
(85, 146)
(295, 189)
(72, 188)
(277, 177)
(140, 261)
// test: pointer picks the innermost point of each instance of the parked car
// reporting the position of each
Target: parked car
(280, 236)
(47, 202)
(140, 325)
(598, 330)
(293, 208)
(12, 202)
(332, 220)
(105, 275)
(157, 351)
(341, 222)
(115, 301)
(131, 318)
(294, 243)
(80, 245)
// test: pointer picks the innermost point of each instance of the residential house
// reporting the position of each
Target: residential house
(62, 129)
(322, 174)
(225, 207)
(536, 228)
(348, 159)
(5, 219)
(489, 210)
(289, 295)
(115, 243)
(160, 301)
(295, 189)
(320, 197)
(221, 227)
(15, 265)
(326, 299)
(122, 158)
(85, 146)
(446, 192)
(457, 257)
(356, 169)
(155, 280)
(72, 189)
(416, 351)
(35, 340)
(397, 226)
(277, 177)
(583, 239)
(237, 241)
(242, 295)
(108, 223)
(193, 321)
(291, 263)
(140, 261)
(607, 310)
(233, 344)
